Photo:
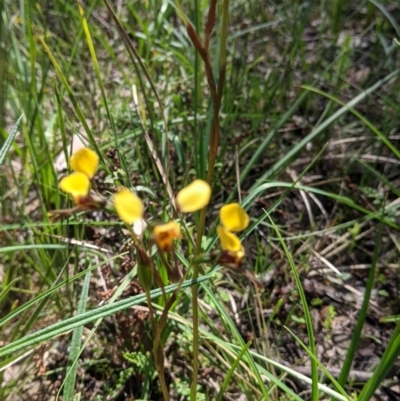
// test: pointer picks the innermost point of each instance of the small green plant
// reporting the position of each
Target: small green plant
(330, 315)
(289, 109)
(127, 205)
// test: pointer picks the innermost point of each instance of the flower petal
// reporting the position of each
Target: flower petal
(85, 161)
(165, 234)
(233, 217)
(194, 197)
(76, 184)
(128, 206)
(229, 241)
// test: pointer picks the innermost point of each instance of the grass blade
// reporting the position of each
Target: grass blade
(89, 316)
(355, 338)
(284, 161)
(342, 199)
(228, 376)
(379, 134)
(239, 339)
(389, 357)
(8, 142)
(69, 382)
(307, 315)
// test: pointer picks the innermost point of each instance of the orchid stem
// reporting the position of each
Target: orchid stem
(216, 96)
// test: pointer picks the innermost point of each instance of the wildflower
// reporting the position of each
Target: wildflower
(194, 197)
(229, 241)
(165, 234)
(84, 163)
(232, 251)
(233, 217)
(128, 206)
(76, 184)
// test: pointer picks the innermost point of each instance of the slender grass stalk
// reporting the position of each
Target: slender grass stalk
(7, 144)
(307, 315)
(228, 377)
(326, 371)
(391, 354)
(89, 316)
(69, 383)
(248, 356)
(363, 119)
(355, 338)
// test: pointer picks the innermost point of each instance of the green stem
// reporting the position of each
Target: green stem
(216, 95)
(159, 358)
(157, 350)
(195, 308)
(200, 231)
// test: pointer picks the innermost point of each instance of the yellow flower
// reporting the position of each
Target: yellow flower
(229, 241)
(85, 161)
(165, 234)
(76, 184)
(232, 250)
(194, 197)
(128, 206)
(233, 217)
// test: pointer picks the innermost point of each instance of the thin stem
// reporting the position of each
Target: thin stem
(200, 231)
(157, 350)
(159, 356)
(195, 308)
(216, 96)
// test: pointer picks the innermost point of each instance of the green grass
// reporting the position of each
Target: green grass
(308, 144)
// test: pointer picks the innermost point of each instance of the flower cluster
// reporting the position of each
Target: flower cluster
(127, 204)
(130, 209)
(84, 164)
(190, 199)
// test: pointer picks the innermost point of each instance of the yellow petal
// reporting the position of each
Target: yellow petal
(165, 234)
(128, 206)
(194, 197)
(229, 241)
(233, 217)
(76, 184)
(85, 161)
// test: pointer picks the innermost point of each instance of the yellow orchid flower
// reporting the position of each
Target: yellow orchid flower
(129, 207)
(165, 234)
(232, 250)
(194, 197)
(76, 184)
(233, 217)
(85, 161)
(229, 241)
